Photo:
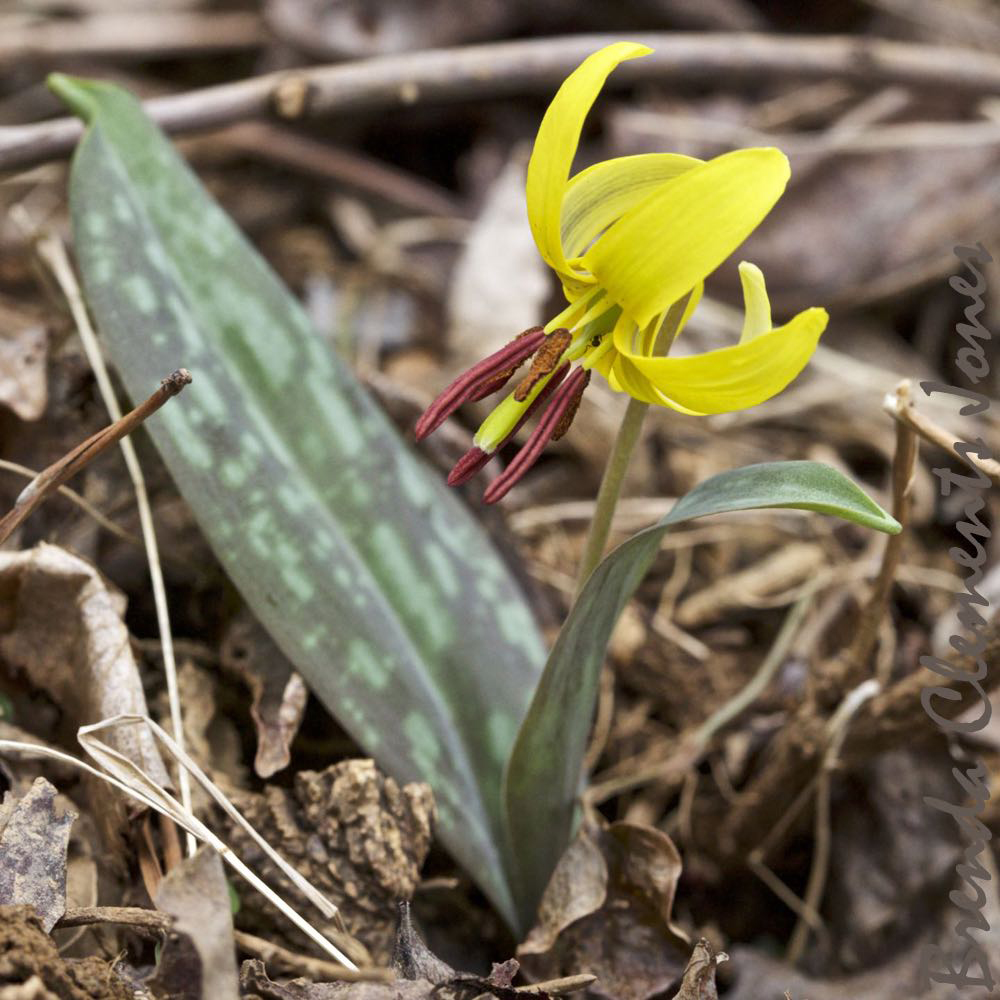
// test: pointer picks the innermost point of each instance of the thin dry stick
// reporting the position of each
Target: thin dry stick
(133, 35)
(53, 253)
(690, 747)
(111, 760)
(901, 407)
(837, 733)
(49, 480)
(82, 502)
(904, 467)
(505, 68)
(565, 984)
(811, 917)
(154, 921)
(317, 969)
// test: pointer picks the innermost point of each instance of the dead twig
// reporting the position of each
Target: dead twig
(285, 147)
(836, 733)
(135, 36)
(82, 502)
(904, 467)
(52, 253)
(689, 747)
(317, 969)
(505, 68)
(153, 921)
(894, 716)
(901, 407)
(49, 480)
(566, 984)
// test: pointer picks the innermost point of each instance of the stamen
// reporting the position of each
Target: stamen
(572, 407)
(565, 397)
(469, 384)
(496, 382)
(544, 362)
(475, 458)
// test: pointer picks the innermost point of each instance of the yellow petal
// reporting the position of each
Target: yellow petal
(599, 195)
(555, 147)
(651, 344)
(731, 378)
(661, 248)
(757, 306)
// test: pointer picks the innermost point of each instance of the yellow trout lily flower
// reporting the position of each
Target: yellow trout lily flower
(632, 240)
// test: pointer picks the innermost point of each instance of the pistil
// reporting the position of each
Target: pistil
(564, 403)
(475, 458)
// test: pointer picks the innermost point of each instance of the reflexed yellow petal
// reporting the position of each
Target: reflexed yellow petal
(556, 142)
(651, 345)
(599, 195)
(731, 378)
(665, 245)
(757, 315)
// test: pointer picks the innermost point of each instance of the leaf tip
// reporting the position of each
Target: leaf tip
(891, 525)
(77, 94)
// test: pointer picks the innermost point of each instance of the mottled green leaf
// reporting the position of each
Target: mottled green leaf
(543, 777)
(375, 582)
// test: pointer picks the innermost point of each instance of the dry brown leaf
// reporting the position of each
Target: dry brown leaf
(354, 833)
(199, 959)
(62, 628)
(34, 836)
(890, 854)
(411, 958)
(607, 911)
(23, 371)
(896, 968)
(699, 976)
(279, 693)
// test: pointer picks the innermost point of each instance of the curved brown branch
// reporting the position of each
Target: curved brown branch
(505, 68)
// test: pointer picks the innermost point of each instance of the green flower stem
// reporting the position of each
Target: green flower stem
(621, 452)
(611, 487)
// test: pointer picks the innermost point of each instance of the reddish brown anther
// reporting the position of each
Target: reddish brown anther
(475, 458)
(497, 382)
(479, 380)
(565, 397)
(545, 360)
(572, 407)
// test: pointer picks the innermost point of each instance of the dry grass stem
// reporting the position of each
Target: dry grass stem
(53, 254)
